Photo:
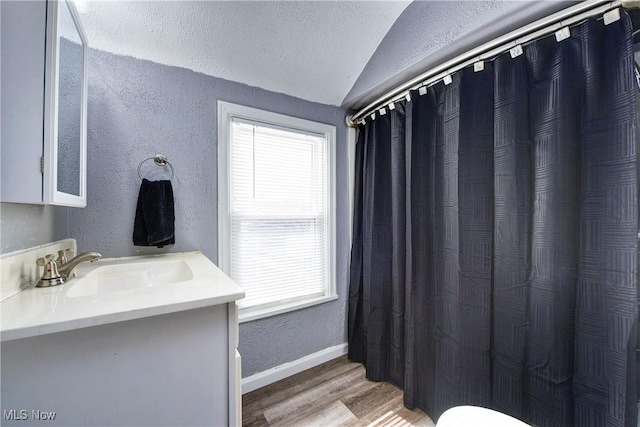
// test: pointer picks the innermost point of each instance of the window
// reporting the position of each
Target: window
(276, 204)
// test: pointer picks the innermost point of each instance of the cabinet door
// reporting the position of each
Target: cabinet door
(44, 103)
(22, 35)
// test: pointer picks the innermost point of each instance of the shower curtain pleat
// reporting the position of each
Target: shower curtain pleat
(607, 285)
(356, 313)
(419, 381)
(513, 211)
(494, 250)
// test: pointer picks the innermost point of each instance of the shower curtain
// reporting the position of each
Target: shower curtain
(495, 236)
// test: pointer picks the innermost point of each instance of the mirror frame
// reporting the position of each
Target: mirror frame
(50, 193)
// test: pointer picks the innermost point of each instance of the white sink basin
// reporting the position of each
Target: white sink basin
(123, 277)
(118, 289)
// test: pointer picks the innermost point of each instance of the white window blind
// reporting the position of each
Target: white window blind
(278, 209)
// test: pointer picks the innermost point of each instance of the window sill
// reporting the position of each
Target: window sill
(255, 314)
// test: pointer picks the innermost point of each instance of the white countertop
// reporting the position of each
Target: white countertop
(40, 311)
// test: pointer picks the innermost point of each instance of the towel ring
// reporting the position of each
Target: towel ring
(159, 160)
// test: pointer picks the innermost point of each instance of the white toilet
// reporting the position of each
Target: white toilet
(476, 416)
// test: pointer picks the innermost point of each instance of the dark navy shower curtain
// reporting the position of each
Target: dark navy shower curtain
(495, 236)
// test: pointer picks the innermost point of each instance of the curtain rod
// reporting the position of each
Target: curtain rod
(493, 48)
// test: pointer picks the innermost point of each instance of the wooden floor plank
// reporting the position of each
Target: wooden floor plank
(333, 394)
(382, 394)
(274, 393)
(254, 403)
(334, 414)
(306, 402)
(257, 420)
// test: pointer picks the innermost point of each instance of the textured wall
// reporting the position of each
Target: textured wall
(139, 108)
(430, 32)
(24, 226)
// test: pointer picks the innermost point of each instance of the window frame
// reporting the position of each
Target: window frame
(226, 112)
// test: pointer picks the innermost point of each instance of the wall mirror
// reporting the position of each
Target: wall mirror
(67, 103)
(70, 70)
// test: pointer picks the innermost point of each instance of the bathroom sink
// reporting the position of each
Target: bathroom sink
(118, 289)
(110, 278)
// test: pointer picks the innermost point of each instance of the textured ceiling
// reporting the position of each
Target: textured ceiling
(314, 50)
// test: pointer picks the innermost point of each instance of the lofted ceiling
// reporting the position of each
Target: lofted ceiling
(328, 51)
(314, 50)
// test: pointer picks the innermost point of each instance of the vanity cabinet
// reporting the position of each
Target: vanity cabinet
(43, 52)
(138, 341)
(176, 369)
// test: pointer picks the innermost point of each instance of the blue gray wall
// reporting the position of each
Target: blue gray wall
(25, 226)
(139, 108)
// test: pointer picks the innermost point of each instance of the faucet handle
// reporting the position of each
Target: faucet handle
(50, 266)
(50, 275)
(46, 260)
(62, 257)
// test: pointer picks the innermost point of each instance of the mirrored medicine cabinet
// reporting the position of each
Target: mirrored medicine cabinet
(44, 104)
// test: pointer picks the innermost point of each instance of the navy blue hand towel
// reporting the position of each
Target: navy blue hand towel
(155, 219)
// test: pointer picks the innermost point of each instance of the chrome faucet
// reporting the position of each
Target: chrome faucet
(55, 274)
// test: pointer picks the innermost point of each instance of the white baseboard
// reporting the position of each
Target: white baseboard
(285, 370)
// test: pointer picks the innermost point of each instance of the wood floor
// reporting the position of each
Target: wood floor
(333, 394)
